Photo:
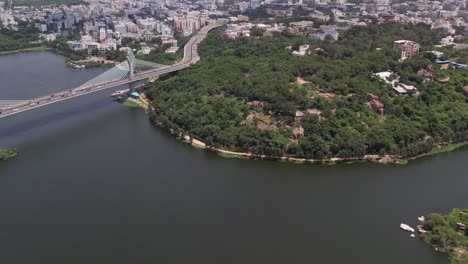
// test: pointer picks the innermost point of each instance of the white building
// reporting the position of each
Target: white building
(147, 24)
(132, 27)
(145, 50)
(48, 37)
(121, 28)
(388, 77)
(109, 33)
(102, 34)
(43, 27)
(171, 50)
(302, 50)
(447, 41)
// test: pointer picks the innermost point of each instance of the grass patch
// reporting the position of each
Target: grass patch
(231, 156)
(436, 150)
(6, 154)
(131, 104)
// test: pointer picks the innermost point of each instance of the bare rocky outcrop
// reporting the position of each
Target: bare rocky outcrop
(299, 80)
(445, 80)
(374, 103)
(298, 133)
(249, 119)
(261, 125)
(386, 159)
(426, 75)
(256, 104)
(299, 114)
(260, 121)
(314, 111)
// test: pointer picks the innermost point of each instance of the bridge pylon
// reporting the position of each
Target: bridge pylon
(131, 63)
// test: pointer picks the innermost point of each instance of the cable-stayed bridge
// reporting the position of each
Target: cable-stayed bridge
(121, 74)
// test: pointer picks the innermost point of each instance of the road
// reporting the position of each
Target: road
(190, 57)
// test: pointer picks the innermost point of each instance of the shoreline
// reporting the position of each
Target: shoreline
(91, 62)
(86, 63)
(382, 159)
(441, 148)
(38, 48)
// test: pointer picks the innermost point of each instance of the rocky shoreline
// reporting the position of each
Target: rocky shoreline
(382, 159)
(445, 233)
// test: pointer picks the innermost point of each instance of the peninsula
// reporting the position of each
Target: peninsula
(277, 94)
(299, 82)
(448, 234)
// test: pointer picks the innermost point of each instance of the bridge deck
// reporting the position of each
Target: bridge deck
(112, 78)
(118, 72)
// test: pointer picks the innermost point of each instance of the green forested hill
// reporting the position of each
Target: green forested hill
(15, 40)
(245, 95)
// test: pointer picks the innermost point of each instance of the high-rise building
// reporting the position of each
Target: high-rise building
(102, 34)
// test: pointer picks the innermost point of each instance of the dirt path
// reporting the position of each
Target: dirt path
(199, 144)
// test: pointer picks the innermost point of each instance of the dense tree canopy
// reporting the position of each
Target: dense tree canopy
(448, 234)
(23, 38)
(245, 95)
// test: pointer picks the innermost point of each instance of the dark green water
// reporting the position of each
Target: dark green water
(96, 183)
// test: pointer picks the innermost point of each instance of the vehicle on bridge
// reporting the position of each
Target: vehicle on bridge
(114, 78)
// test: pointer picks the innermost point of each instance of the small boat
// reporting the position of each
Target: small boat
(407, 228)
(421, 219)
(412, 235)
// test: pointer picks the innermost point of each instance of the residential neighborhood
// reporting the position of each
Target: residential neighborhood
(104, 24)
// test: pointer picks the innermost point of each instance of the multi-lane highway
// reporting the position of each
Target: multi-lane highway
(190, 57)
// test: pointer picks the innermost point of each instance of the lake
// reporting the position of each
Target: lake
(95, 182)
